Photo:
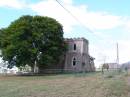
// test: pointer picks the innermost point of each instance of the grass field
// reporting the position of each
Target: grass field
(65, 85)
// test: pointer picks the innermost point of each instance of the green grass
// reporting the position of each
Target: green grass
(64, 85)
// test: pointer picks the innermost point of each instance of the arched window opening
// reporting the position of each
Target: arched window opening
(74, 46)
(83, 64)
(74, 62)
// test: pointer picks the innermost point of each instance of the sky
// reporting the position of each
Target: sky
(103, 22)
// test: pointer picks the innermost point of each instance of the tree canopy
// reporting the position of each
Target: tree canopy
(31, 39)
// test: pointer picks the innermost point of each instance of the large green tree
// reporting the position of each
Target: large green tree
(32, 40)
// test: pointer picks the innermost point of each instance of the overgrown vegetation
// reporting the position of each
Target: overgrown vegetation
(64, 85)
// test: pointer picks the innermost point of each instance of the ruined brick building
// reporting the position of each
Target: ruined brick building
(77, 57)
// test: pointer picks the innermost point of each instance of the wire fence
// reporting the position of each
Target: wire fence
(111, 71)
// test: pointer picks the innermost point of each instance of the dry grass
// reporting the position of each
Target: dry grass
(65, 85)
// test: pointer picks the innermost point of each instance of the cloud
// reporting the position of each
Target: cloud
(18, 4)
(92, 20)
(101, 21)
(68, 1)
(127, 25)
(52, 9)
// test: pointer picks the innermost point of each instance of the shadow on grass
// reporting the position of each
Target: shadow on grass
(69, 74)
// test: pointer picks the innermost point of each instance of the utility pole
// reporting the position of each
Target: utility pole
(117, 60)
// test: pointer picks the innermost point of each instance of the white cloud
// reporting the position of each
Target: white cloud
(102, 21)
(68, 1)
(127, 25)
(52, 9)
(18, 4)
(92, 20)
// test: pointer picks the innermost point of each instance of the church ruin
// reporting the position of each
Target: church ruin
(77, 57)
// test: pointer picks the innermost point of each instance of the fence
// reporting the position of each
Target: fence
(111, 71)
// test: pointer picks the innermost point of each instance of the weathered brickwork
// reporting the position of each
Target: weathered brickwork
(77, 57)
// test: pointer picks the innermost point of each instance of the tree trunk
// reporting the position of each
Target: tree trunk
(36, 69)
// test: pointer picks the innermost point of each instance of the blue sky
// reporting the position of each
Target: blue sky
(109, 21)
(118, 7)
